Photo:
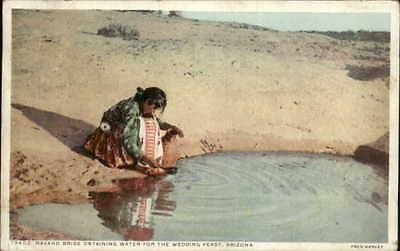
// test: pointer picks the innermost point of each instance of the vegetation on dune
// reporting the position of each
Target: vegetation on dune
(118, 30)
(366, 73)
(361, 35)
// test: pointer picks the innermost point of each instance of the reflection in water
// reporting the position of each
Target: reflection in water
(129, 209)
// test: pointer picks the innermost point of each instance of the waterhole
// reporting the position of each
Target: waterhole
(268, 197)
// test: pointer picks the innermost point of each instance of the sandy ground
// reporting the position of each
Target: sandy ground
(230, 88)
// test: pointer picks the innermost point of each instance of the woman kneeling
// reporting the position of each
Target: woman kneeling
(129, 133)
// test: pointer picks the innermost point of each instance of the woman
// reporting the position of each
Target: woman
(129, 133)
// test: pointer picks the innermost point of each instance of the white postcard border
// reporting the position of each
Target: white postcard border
(391, 7)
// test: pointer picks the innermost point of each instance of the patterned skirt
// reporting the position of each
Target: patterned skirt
(107, 147)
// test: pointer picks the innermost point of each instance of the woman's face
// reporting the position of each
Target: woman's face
(148, 107)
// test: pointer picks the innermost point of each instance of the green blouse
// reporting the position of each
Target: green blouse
(126, 113)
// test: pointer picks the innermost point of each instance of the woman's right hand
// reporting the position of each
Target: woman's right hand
(151, 161)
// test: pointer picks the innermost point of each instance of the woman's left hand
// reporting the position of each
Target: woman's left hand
(178, 131)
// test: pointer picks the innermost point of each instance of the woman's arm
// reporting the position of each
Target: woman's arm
(166, 126)
(130, 133)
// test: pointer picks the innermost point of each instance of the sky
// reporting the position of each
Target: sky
(301, 21)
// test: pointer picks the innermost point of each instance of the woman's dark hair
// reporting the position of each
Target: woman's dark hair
(154, 95)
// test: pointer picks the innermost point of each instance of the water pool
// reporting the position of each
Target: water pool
(268, 197)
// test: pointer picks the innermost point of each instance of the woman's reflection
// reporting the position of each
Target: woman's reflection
(128, 210)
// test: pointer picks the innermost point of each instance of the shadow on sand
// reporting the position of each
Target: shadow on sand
(71, 132)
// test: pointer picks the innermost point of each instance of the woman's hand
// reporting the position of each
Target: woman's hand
(178, 131)
(152, 162)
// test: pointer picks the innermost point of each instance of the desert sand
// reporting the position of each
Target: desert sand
(230, 87)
